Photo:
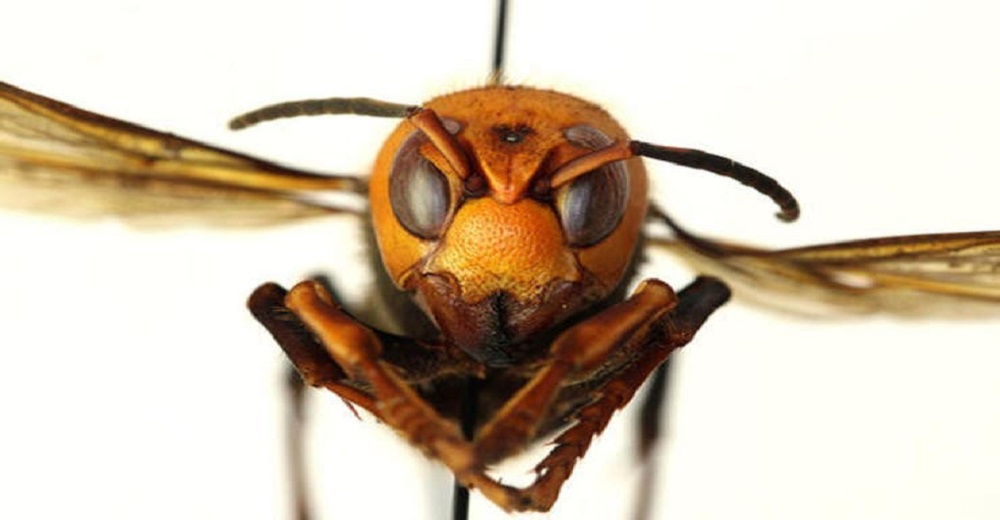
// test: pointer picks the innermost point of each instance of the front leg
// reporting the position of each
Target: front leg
(358, 351)
(331, 349)
(580, 349)
(267, 304)
(628, 340)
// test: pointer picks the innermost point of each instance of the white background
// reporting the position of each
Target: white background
(134, 385)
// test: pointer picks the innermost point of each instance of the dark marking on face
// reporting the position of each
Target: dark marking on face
(513, 134)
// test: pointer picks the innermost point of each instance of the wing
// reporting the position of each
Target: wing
(59, 159)
(955, 274)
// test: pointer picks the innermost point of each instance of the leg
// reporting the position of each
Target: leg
(651, 413)
(650, 430)
(668, 332)
(310, 360)
(314, 366)
(580, 349)
(310, 366)
(353, 358)
(460, 502)
(350, 348)
(294, 436)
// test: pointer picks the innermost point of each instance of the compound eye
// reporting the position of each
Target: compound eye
(418, 192)
(592, 205)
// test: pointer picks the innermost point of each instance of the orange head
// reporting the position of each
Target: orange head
(506, 210)
(501, 210)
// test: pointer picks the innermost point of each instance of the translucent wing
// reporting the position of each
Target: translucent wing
(59, 159)
(956, 274)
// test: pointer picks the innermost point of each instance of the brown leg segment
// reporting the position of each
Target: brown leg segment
(311, 366)
(353, 350)
(267, 304)
(357, 350)
(676, 329)
(295, 319)
(651, 419)
(295, 420)
(579, 349)
(649, 431)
